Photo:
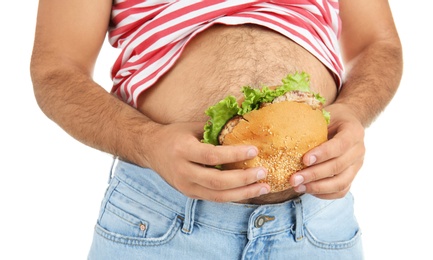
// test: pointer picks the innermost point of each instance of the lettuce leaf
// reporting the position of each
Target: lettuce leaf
(220, 113)
(227, 108)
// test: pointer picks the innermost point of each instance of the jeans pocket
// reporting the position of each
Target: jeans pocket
(127, 218)
(334, 227)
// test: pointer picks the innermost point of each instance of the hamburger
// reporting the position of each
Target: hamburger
(283, 122)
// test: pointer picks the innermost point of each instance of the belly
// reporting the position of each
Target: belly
(217, 63)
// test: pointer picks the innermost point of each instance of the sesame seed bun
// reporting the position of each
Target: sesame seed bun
(283, 132)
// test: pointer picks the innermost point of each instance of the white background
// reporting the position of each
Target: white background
(51, 185)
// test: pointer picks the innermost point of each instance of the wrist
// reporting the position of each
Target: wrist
(137, 141)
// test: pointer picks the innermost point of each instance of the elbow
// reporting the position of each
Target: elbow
(395, 49)
(394, 54)
(46, 79)
(37, 75)
(40, 77)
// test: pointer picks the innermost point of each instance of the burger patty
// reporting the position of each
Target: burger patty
(293, 96)
(301, 97)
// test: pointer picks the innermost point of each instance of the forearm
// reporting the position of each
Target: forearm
(371, 80)
(69, 97)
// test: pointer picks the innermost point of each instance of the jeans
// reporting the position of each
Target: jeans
(143, 217)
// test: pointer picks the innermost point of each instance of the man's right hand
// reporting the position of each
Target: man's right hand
(188, 165)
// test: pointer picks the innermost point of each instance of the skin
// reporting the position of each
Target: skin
(67, 42)
(373, 55)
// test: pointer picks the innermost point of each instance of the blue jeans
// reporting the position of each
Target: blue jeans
(143, 217)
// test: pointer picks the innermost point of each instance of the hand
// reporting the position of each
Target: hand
(187, 164)
(333, 165)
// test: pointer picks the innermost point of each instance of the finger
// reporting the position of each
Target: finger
(197, 181)
(329, 168)
(214, 179)
(232, 195)
(334, 147)
(334, 186)
(208, 154)
(333, 196)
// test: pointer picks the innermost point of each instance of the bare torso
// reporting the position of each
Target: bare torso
(217, 63)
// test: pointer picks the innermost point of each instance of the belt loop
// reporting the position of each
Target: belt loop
(111, 173)
(299, 230)
(188, 222)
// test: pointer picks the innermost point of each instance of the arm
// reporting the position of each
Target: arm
(69, 35)
(373, 57)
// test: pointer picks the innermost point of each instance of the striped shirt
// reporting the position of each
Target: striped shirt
(152, 33)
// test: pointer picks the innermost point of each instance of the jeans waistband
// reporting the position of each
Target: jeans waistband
(253, 220)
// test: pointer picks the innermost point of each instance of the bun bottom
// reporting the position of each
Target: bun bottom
(283, 132)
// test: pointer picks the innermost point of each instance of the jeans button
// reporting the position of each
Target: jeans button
(261, 220)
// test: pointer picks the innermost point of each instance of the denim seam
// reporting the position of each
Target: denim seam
(150, 198)
(333, 245)
(107, 196)
(149, 208)
(140, 220)
(132, 241)
(309, 216)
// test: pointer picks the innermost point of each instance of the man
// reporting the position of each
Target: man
(165, 199)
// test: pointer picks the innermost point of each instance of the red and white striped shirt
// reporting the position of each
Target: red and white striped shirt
(153, 33)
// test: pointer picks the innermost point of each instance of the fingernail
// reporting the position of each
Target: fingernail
(252, 153)
(263, 191)
(298, 180)
(312, 160)
(301, 189)
(261, 174)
